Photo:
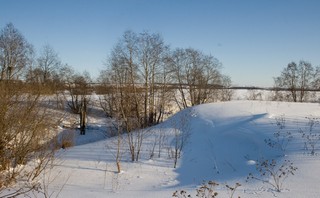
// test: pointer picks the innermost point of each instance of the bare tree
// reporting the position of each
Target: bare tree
(226, 93)
(197, 76)
(164, 93)
(15, 53)
(124, 79)
(177, 62)
(316, 78)
(79, 88)
(306, 74)
(297, 79)
(107, 92)
(79, 91)
(151, 53)
(48, 63)
(135, 85)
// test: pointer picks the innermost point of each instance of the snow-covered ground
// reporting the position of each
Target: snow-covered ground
(225, 142)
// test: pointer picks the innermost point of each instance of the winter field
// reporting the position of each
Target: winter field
(224, 142)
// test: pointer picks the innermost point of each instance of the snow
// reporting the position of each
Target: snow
(225, 142)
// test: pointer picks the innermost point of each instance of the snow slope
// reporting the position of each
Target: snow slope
(225, 141)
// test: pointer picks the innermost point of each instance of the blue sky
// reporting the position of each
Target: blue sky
(254, 39)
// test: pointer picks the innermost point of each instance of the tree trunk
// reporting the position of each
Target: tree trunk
(83, 113)
(118, 167)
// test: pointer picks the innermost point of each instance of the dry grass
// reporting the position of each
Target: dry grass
(67, 139)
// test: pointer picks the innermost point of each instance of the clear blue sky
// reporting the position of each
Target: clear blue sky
(254, 39)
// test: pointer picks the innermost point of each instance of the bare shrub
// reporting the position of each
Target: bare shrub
(207, 190)
(312, 136)
(281, 137)
(181, 131)
(273, 174)
(25, 132)
(159, 142)
(117, 144)
(232, 189)
(67, 139)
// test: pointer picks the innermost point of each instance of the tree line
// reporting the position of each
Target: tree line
(141, 69)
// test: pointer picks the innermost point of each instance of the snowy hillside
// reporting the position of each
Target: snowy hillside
(224, 143)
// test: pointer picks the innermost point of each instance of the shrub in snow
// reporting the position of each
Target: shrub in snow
(181, 131)
(273, 174)
(159, 142)
(26, 130)
(207, 190)
(232, 189)
(67, 139)
(180, 194)
(311, 137)
(281, 137)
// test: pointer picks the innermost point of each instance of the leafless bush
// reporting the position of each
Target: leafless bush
(24, 136)
(117, 146)
(273, 174)
(207, 190)
(232, 189)
(49, 176)
(281, 137)
(67, 139)
(153, 146)
(311, 136)
(159, 142)
(181, 132)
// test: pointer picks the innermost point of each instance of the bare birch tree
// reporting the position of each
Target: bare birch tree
(15, 53)
(137, 85)
(152, 52)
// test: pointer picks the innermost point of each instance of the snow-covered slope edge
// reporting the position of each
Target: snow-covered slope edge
(228, 139)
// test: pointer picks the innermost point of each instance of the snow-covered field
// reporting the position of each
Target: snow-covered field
(225, 142)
